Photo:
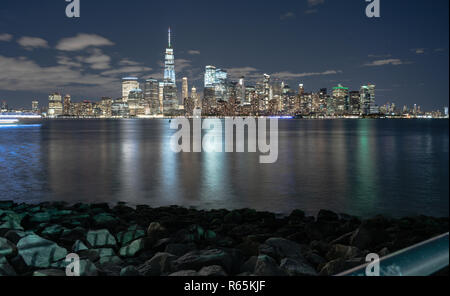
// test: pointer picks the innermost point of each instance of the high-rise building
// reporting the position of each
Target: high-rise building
(220, 85)
(169, 64)
(367, 93)
(128, 83)
(185, 90)
(4, 106)
(195, 97)
(169, 94)
(35, 106)
(210, 76)
(355, 102)
(241, 95)
(266, 92)
(135, 102)
(341, 99)
(151, 95)
(66, 105)
(55, 105)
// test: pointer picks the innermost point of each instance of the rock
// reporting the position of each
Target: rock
(40, 217)
(105, 252)
(49, 272)
(53, 231)
(79, 246)
(197, 259)
(91, 254)
(157, 265)
(343, 239)
(5, 268)
(105, 220)
(70, 236)
(284, 248)
(87, 268)
(128, 236)
(155, 231)
(296, 268)
(101, 238)
(180, 249)
(383, 252)
(133, 249)
(11, 224)
(315, 259)
(233, 218)
(249, 265)
(325, 215)
(184, 273)
(15, 235)
(129, 271)
(341, 251)
(369, 234)
(297, 215)
(6, 204)
(39, 252)
(267, 266)
(340, 265)
(7, 249)
(214, 270)
(109, 268)
(115, 260)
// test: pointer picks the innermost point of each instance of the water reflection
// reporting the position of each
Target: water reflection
(362, 167)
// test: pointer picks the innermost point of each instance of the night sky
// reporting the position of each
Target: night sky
(316, 42)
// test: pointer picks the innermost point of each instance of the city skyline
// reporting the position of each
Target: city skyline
(90, 62)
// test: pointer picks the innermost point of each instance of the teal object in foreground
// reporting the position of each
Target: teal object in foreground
(423, 259)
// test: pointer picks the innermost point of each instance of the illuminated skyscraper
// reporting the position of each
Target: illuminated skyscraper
(341, 99)
(210, 76)
(66, 105)
(128, 83)
(185, 90)
(368, 99)
(151, 95)
(35, 106)
(169, 64)
(55, 106)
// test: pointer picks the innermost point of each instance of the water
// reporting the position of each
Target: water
(360, 167)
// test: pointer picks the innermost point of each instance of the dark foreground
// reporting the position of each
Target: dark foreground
(35, 240)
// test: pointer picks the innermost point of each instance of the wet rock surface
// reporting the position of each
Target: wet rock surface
(175, 241)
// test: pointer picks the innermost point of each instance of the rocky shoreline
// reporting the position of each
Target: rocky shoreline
(175, 241)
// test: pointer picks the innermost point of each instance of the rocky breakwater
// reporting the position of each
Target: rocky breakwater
(175, 241)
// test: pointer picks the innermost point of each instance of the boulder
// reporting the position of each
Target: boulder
(39, 252)
(157, 265)
(267, 266)
(337, 266)
(180, 249)
(79, 246)
(133, 249)
(214, 270)
(49, 272)
(197, 259)
(101, 238)
(325, 215)
(7, 249)
(128, 236)
(5, 268)
(233, 218)
(341, 251)
(297, 268)
(284, 248)
(184, 273)
(129, 271)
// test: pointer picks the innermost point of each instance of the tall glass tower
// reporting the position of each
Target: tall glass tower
(169, 65)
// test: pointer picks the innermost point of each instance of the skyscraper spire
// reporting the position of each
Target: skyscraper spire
(170, 44)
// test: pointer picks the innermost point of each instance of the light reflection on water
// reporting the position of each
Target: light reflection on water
(361, 167)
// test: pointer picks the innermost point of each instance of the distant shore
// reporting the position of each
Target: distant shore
(176, 241)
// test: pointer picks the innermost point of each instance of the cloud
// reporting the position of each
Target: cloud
(287, 15)
(66, 61)
(193, 52)
(247, 72)
(97, 60)
(6, 37)
(290, 75)
(419, 50)
(128, 62)
(82, 41)
(30, 43)
(378, 63)
(312, 3)
(26, 75)
(439, 49)
(125, 71)
(379, 56)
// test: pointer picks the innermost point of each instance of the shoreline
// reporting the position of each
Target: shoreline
(121, 240)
